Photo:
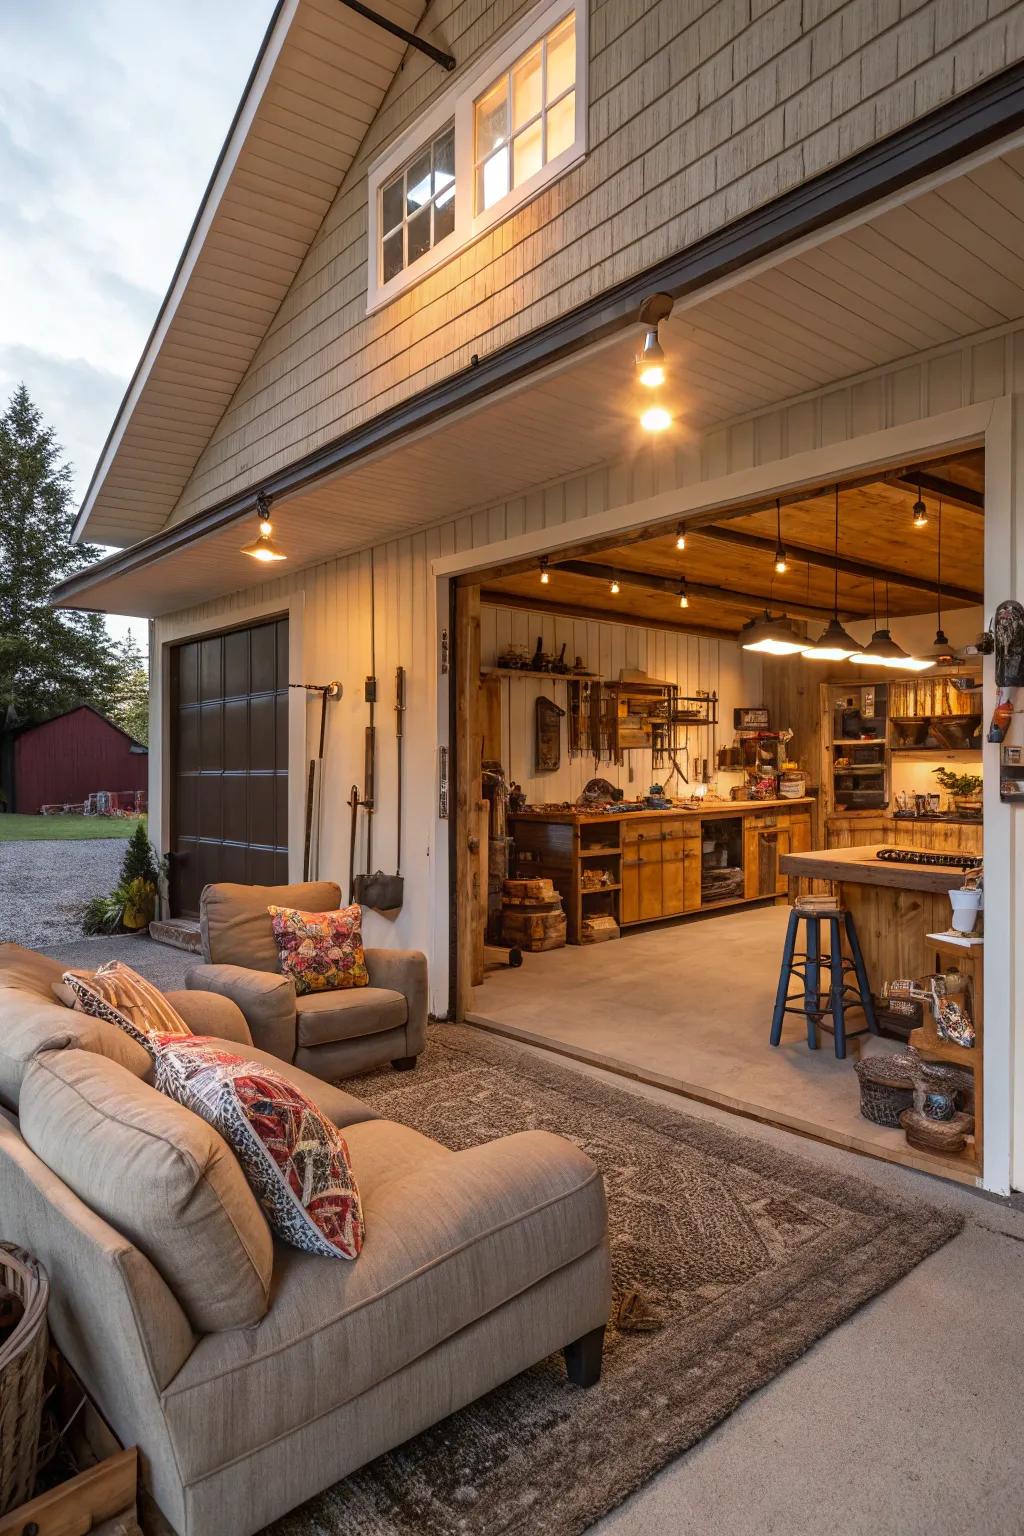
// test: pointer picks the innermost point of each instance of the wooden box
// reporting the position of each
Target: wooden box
(597, 929)
(101, 1496)
(517, 892)
(533, 931)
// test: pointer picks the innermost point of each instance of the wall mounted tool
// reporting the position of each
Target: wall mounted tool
(314, 780)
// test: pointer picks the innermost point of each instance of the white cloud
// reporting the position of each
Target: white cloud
(112, 113)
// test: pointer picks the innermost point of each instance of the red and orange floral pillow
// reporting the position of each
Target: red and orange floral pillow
(321, 951)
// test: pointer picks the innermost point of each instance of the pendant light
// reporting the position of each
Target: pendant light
(545, 575)
(771, 633)
(833, 644)
(615, 589)
(263, 548)
(883, 651)
(651, 362)
(942, 652)
(651, 369)
(680, 538)
(684, 601)
(780, 552)
(920, 510)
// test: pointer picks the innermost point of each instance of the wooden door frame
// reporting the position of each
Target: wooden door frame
(996, 424)
(465, 779)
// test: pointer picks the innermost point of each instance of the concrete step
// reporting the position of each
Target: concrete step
(181, 932)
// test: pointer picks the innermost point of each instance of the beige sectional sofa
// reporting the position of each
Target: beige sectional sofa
(251, 1375)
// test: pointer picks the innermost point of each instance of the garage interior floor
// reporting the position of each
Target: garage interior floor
(687, 1006)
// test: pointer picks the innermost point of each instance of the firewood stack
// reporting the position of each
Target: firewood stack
(532, 916)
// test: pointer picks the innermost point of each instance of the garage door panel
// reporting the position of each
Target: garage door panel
(229, 767)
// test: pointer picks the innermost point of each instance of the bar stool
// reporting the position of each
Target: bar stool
(807, 966)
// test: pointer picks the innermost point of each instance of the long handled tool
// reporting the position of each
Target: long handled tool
(353, 801)
(314, 780)
(383, 892)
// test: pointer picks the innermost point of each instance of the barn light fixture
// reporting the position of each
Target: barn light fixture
(680, 538)
(833, 644)
(780, 553)
(684, 601)
(883, 651)
(772, 633)
(920, 510)
(545, 576)
(615, 589)
(650, 362)
(263, 548)
(942, 652)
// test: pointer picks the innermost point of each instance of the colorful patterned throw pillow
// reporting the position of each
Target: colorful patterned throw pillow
(321, 951)
(121, 996)
(295, 1160)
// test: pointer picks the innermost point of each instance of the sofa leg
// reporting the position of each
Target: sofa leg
(404, 1063)
(583, 1358)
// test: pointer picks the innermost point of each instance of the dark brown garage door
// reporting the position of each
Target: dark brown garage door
(229, 761)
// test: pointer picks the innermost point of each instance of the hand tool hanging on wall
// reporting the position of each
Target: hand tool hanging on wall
(353, 801)
(369, 801)
(382, 892)
(314, 780)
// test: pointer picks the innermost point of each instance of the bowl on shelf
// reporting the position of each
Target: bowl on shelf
(958, 733)
(910, 731)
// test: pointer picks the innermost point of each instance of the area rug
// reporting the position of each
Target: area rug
(746, 1254)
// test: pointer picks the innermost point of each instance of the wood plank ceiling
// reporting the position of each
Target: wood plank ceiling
(727, 568)
(324, 90)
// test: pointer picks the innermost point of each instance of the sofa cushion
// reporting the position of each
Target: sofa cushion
(324, 1017)
(32, 1020)
(321, 951)
(295, 1160)
(160, 1176)
(447, 1241)
(235, 924)
(127, 1000)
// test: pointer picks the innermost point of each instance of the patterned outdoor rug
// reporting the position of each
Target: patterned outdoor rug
(747, 1253)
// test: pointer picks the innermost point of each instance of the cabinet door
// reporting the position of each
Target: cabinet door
(751, 854)
(629, 903)
(648, 846)
(783, 845)
(673, 878)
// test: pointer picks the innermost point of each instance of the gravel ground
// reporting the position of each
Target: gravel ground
(45, 885)
(161, 964)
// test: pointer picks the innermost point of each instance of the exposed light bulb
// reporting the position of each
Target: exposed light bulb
(651, 362)
(266, 528)
(684, 601)
(652, 375)
(614, 587)
(655, 419)
(545, 576)
(780, 561)
(680, 540)
(920, 514)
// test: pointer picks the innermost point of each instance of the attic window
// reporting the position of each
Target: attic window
(417, 207)
(502, 131)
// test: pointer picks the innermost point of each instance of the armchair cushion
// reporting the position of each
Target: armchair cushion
(235, 924)
(160, 1176)
(267, 1000)
(325, 1017)
(450, 1236)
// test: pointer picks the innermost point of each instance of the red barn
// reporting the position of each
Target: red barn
(73, 755)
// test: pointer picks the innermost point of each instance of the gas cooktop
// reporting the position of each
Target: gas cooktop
(919, 856)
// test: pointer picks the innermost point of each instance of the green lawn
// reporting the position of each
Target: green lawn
(37, 829)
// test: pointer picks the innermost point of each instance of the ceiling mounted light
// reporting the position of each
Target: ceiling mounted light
(772, 633)
(943, 653)
(544, 573)
(680, 538)
(780, 553)
(655, 419)
(833, 644)
(264, 548)
(684, 601)
(881, 651)
(615, 589)
(920, 510)
(650, 362)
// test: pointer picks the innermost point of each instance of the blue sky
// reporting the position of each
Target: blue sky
(112, 113)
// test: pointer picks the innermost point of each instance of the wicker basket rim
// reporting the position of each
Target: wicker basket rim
(26, 1277)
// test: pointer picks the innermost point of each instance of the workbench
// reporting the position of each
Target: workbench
(651, 861)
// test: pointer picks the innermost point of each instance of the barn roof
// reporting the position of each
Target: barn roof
(35, 725)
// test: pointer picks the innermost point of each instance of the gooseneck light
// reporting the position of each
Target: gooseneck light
(263, 548)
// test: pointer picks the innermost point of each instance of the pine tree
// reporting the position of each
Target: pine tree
(140, 862)
(49, 660)
(130, 707)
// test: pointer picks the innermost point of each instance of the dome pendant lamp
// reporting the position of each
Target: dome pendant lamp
(833, 644)
(264, 548)
(771, 633)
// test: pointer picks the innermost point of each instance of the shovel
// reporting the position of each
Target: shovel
(385, 893)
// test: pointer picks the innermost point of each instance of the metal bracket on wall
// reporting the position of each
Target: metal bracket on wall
(442, 783)
(446, 60)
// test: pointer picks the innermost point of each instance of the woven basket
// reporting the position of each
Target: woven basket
(22, 1362)
(936, 1135)
(886, 1088)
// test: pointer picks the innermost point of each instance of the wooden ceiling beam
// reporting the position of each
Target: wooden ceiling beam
(963, 496)
(495, 599)
(669, 585)
(753, 541)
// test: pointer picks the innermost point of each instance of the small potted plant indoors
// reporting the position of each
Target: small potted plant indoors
(963, 788)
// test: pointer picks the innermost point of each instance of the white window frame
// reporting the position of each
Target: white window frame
(457, 104)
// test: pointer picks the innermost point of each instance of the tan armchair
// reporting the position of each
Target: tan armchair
(331, 1034)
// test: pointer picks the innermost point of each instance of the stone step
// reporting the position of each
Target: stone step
(181, 932)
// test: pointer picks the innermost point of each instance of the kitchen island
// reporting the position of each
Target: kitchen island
(895, 906)
(644, 866)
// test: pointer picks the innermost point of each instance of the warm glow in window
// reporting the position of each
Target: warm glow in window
(417, 206)
(527, 118)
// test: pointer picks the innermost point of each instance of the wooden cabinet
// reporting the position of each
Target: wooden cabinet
(767, 837)
(660, 869)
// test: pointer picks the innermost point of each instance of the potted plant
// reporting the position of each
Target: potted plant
(963, 788)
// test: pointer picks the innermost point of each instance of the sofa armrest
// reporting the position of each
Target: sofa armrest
(211, 1013)
(405, 971)
(267, 1001)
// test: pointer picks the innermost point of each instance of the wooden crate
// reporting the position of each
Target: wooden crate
(598, 929)
(533, 931)
(103, 1493)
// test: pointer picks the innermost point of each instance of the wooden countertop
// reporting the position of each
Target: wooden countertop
(700, 811)
(860, 866)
